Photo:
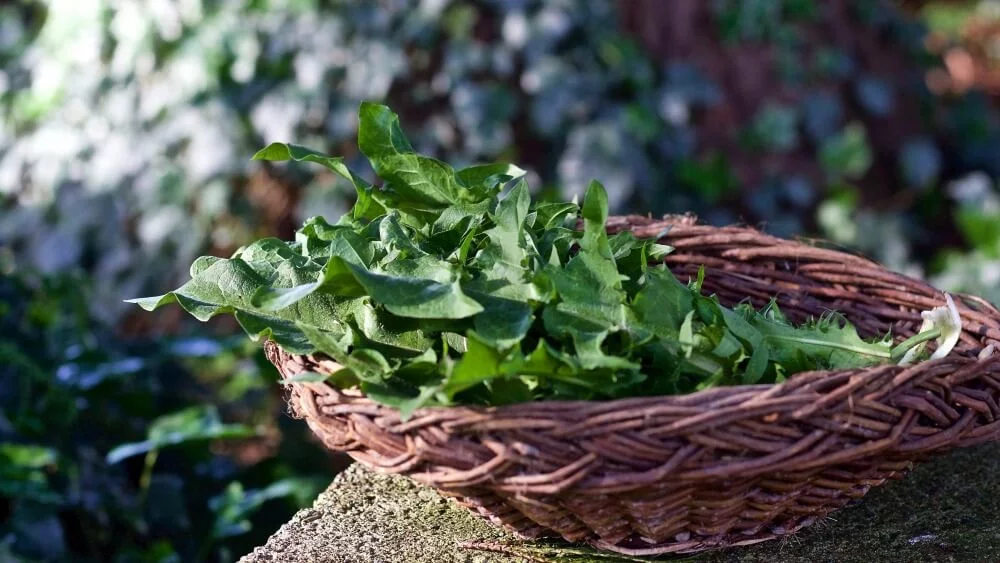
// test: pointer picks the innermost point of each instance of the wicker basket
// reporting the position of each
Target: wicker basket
(722, 467)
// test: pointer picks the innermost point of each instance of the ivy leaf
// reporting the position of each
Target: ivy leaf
(847, 154)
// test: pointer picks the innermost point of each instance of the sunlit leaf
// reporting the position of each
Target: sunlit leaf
(193, 424)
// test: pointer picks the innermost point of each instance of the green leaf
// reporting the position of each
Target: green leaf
(334, 275)
(366, 207)
(24, 470)
(453, 231)
(419, 298)
(829, 343)
(283, 332)
(503, 322)
(298, 153)
(334, 344)
(488, 176)
(742, 329)
(567, 374)
(589, 287)
(479, 363)
(847, 154)
(27, 456)
(506, 391)
(307, 377)
(319, 241)
(595, 216)
(234, 506)
(403, 400)
(552, 215)
(503, 262)
(417, 179)
(757, 366)
(275, 298)
(685, 336)
(385, 330)
(192, 424)
(662, 304)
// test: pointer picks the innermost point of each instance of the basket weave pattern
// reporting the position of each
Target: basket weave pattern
(721, 467)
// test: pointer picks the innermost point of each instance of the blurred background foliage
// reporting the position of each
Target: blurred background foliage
(126, 128)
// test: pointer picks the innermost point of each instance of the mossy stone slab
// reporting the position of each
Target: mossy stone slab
(946, 510)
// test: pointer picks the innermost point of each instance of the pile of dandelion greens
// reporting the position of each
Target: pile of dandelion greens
(446, 286)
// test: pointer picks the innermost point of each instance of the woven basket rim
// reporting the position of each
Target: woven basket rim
(555, 407)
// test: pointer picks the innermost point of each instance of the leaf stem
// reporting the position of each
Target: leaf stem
(863, 350)
(147, 474)
(706, 363)
(903, 347)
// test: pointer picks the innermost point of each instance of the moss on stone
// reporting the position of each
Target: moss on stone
(946, 510)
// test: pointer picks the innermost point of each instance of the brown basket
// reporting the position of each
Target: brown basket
(722, 467)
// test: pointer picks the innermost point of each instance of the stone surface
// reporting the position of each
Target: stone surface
(946, 510)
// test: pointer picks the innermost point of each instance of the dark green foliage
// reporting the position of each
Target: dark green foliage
(442, 286)
(76, 405)
(774, 129)
(846, 155)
